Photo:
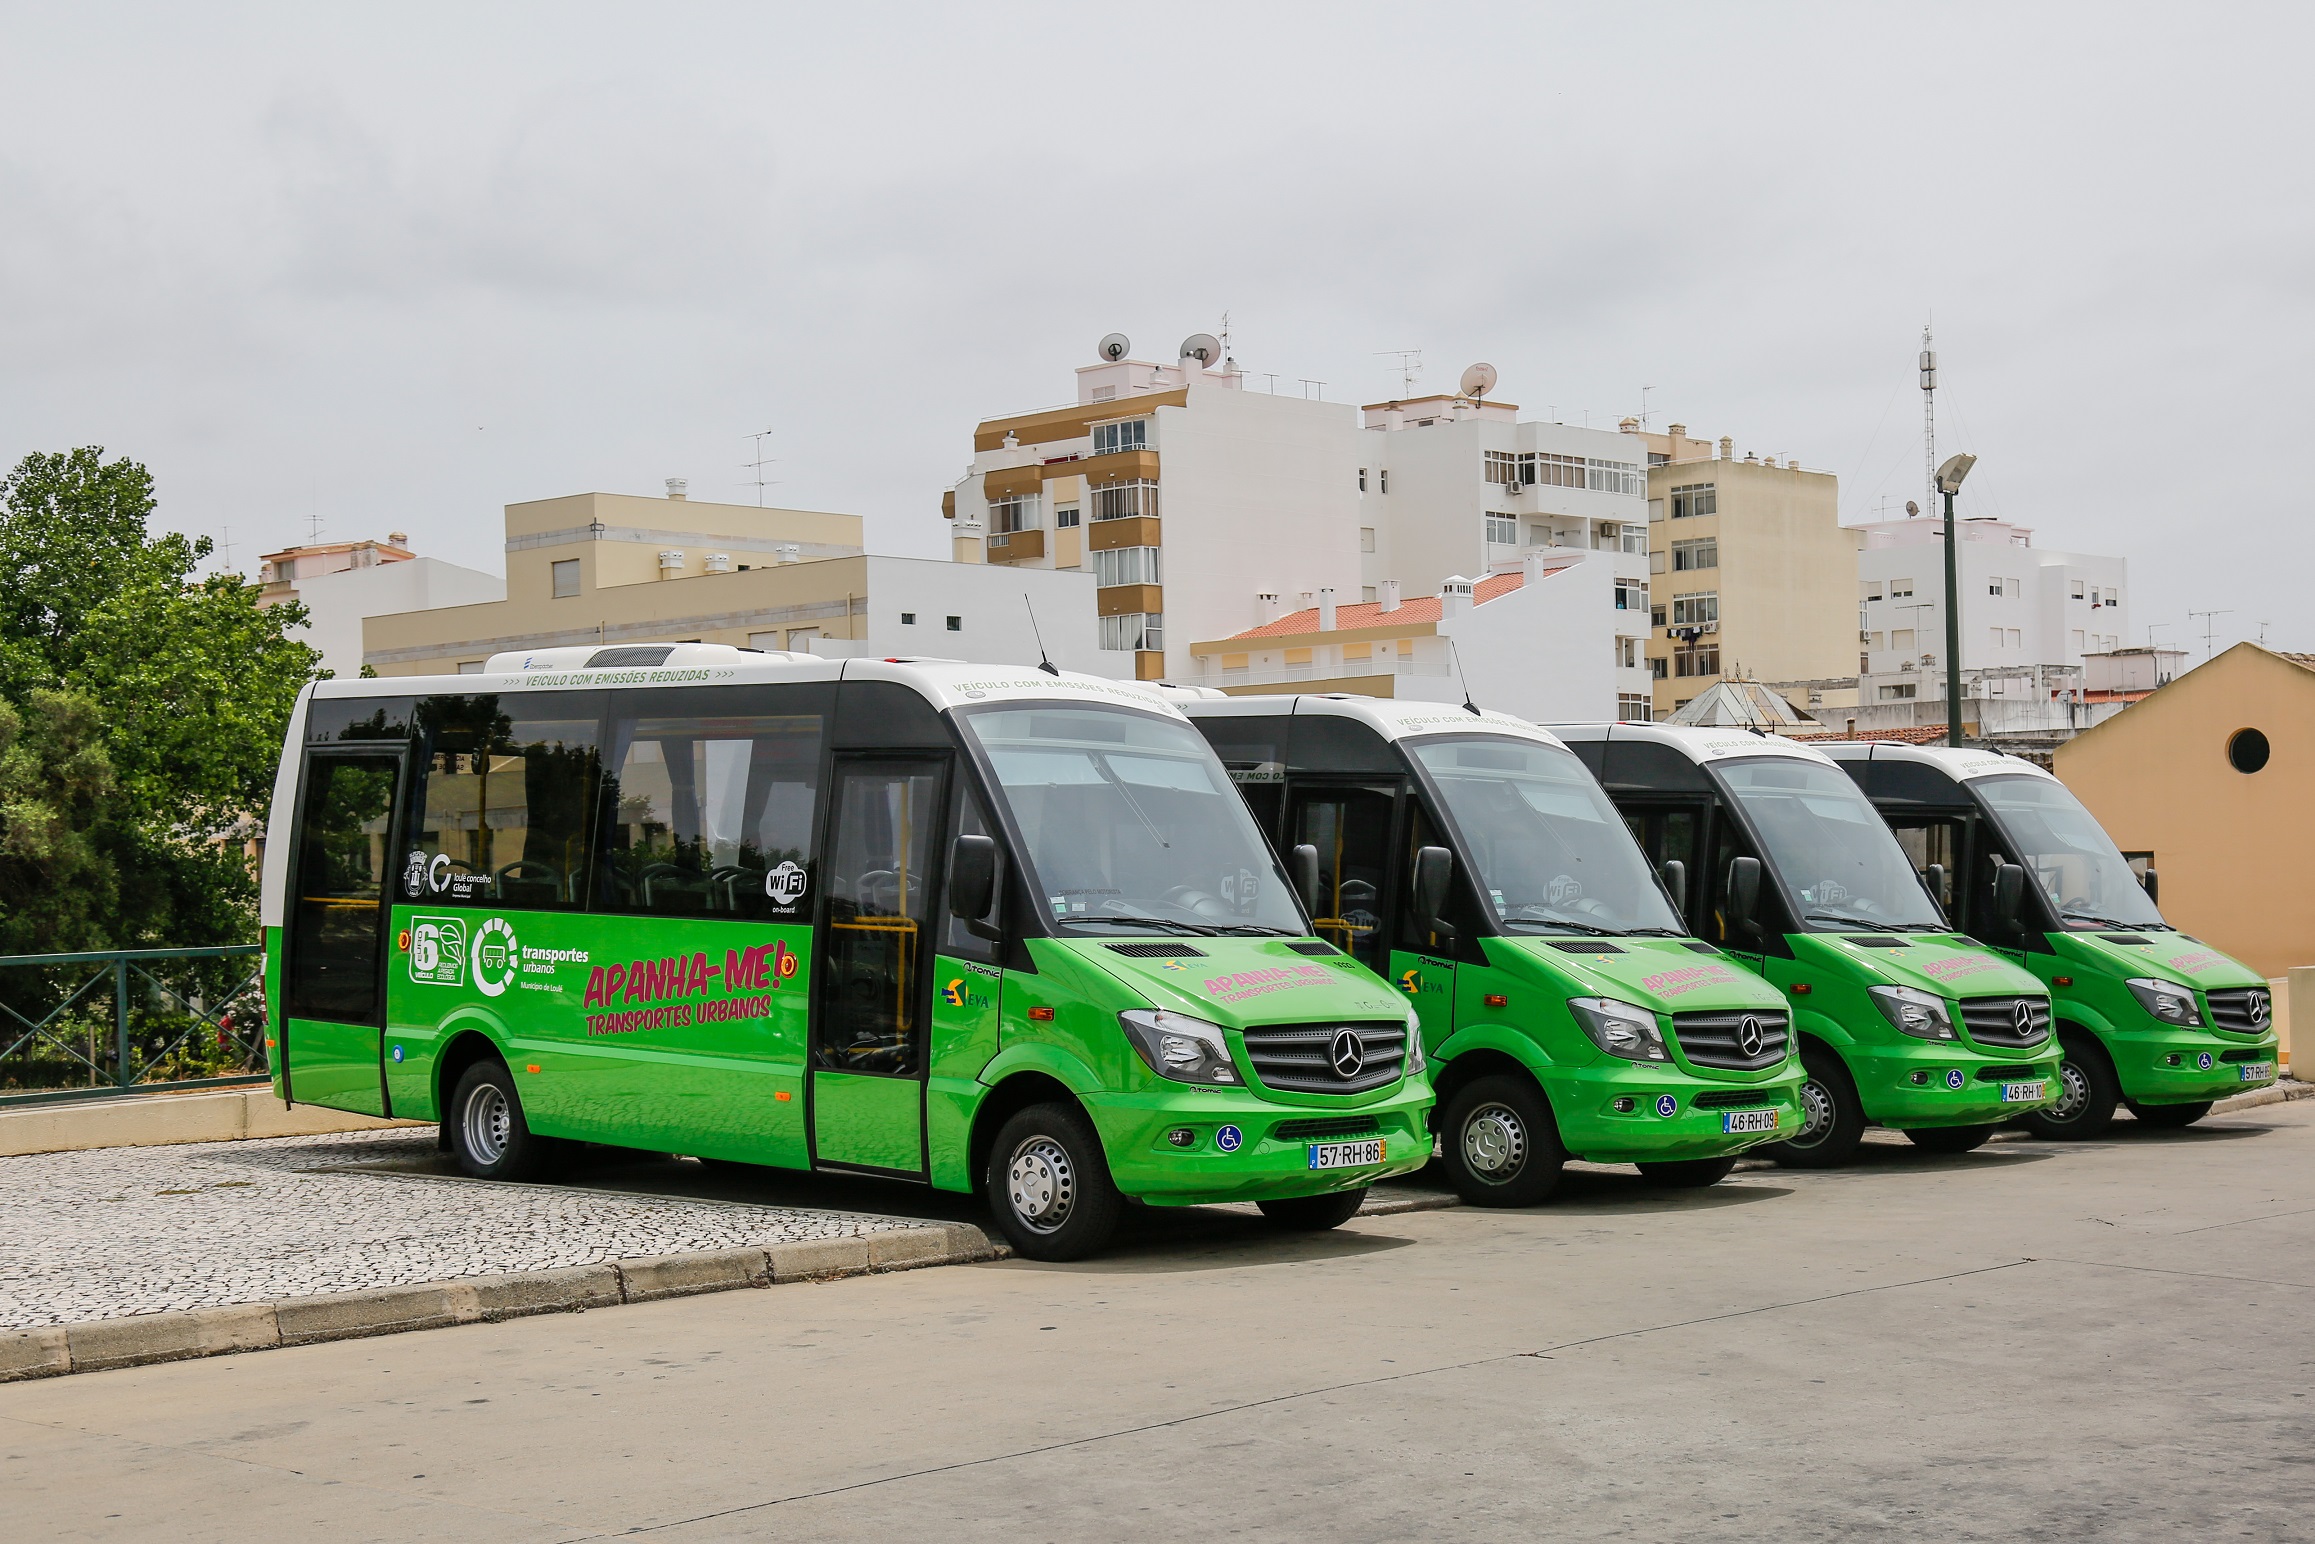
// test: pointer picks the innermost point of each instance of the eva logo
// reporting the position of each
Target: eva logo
(957, 994)
(1411, 982)
(496, 957)
(438, 950)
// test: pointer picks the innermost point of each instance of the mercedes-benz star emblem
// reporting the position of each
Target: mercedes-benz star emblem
(2022, 1015)
(1749, 1039)
(1347, 1053)
(2259, 1010)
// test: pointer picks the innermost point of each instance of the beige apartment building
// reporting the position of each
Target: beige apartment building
(1751, 575)
(612, 568)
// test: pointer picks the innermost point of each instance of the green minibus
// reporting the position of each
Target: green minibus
(1902, 1022)
(1468, 858)
(2147, 1016)
(981, 927)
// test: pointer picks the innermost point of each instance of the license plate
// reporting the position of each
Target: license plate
(1345, 1155)
(2025, 1093)
(1748, 1120)
(2258, 1072)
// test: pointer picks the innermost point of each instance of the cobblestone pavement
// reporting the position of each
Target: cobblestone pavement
(135, 1230)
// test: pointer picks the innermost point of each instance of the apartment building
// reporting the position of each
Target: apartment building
(1750, 568)
(610, 568)
(340, 583)
(1452, 487)
(1184, 497)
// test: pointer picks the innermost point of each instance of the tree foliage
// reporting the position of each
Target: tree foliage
(143, 713)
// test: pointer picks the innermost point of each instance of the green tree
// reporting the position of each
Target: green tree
(146, 706)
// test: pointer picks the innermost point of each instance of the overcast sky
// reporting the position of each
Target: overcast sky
(400, 269)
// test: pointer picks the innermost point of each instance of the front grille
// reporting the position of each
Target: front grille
(1733, 1099)
(2246, 1055)
(1313, 947)
(1326, 1130)
(2005, 1074)
(1300, 1058)
(1157, 951)
(1995, 1020)
(1717, 1039)
(2244, 1010)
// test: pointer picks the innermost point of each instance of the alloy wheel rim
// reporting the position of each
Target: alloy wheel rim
(1817, 1105)
(1042, 1184)
(1494, 1143)
(489, 1124)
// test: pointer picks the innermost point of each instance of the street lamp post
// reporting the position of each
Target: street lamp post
(1949, 478)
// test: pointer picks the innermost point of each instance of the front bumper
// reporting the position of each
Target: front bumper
(1263, 1166)
(2187, 1066)
(1944, 1083)
(1585, 1100)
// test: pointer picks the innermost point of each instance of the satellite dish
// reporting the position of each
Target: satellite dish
(1203, 347)
(1479, 380)
(1115, 347)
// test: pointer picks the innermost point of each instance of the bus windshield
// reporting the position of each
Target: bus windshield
(1829, 846)
(2069, 854)
(1552, 853)
(1129, 823)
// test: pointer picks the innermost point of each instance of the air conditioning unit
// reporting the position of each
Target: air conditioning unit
(719, 562)
(670, 561)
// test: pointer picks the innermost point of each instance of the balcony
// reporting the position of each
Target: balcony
(1130, 531)
(1120, 600)
(1016, 546)
(1012, 482)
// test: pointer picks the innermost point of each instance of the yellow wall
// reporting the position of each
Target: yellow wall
(2235, 852)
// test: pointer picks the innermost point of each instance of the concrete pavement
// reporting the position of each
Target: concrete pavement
(2032, 1341)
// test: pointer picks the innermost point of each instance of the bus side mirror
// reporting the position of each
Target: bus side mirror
(2009, 897)
(1676, 885)
(1303, 864)
(2153, 888)
(1741, 897)
(1434, 866)
(973, 884)
(1933, 880)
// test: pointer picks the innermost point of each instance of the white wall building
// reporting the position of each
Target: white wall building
(340, 583)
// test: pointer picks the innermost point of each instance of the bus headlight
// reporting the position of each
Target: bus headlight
(1923, 1015)
(2166, 1000)
(1179, 1047)
(1620, 1029)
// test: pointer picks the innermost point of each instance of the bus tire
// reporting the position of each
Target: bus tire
(1049, 1186)
(1688, 1173)
(1834, 1118)
(1502, 1142)
(1950, 1139)
(1313, 1214)
(2169, 1117)
(488, 1135)
(2087, 1095)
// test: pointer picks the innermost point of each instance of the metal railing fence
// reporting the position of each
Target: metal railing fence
(112, 1021)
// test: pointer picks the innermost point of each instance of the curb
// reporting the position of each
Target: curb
(55, 1350)
(2275, 1093)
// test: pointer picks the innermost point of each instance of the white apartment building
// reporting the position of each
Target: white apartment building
(2026, 611)
(340, 583)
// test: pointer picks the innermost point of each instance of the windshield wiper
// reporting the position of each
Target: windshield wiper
(1573, 927)
(1252, 930)
(1652, 932)
(1125, 919)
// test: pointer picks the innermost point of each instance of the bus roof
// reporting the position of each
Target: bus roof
(1392, 718)
(1959, 763)
(1699, 744)
(945, 683)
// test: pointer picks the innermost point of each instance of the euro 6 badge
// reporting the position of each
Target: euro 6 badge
(438, 950)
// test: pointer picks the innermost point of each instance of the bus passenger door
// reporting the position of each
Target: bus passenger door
(333, 975)
(1422, 964)
(873, 980)
(1351, 828)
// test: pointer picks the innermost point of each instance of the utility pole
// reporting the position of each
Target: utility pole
(1947, 481)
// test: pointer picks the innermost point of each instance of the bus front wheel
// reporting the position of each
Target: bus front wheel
(1832, 1117)
(2087, 1095)
(1502, 1143)
(488, 1134)
(1049, 1185)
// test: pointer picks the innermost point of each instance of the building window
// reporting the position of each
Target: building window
(1633, 708)
(1502, 531)
(2077, 640)
(1655, 616)
(1634, 539)
(1659, 667)
(1900, 589)
(566, 578)
(1066, 517)
(1627, 653)
(1362, 489)
(1366, 538)
(1125, 500)
(1872, 640)
(1870, 589)
(1615, 477)
(1693, 499)
(1701, 553)
(1631, 595)
(2077, 589)
(1702, 660)
(2113, 597)
(1502, 468)
(1900, 693)
(1135, 630)
(1366, 594)
(1696, 610)
(1126, 565)
(1018, 513)
(956, 624)
(1655, 510)
(1109, 439)
(1383, 480)
(471, 666)
(1901, 639)
(1557, 471)
(908, 619)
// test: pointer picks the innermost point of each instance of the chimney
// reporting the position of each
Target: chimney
(1792, 463)
(1326, 609)
(1728, 447)
(1265, 608)
(1678, 432)
(1389, 590)
(678, 489)
(399, 539)
(1531, 569)
(1628, 426)
(1454, 597)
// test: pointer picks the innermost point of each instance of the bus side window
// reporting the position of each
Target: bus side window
(1729, 843)
(504, 800)
(1351, 828)
(710, 805)
(1936, 839)
(1462, 912)
(1667, 836)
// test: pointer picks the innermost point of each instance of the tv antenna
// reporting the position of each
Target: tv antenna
(1044, 660)
(2151, 626)
(1229, 360)
(761, 461)
(1644, 407)
(1410, 366)
(1929, 415)
(1477, 382)
(225, 563)
(2206, 627)
(1307, 383)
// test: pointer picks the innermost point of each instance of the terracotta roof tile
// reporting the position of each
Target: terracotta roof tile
(1369, 613)
(1919, 734)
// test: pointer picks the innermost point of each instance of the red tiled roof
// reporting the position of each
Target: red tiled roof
(1369, 613)
(1919, 734)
